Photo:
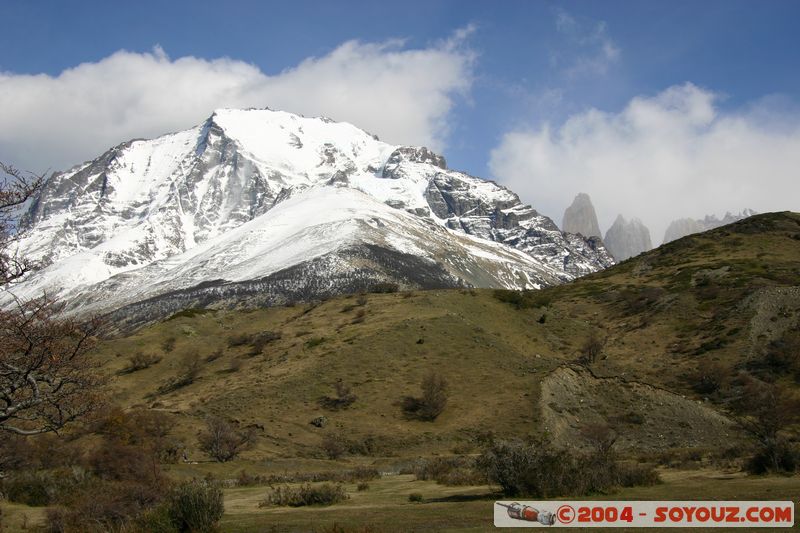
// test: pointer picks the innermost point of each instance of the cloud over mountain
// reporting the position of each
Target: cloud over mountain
(401, 94)
(675, 154)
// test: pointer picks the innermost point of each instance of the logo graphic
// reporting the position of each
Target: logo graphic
(527, 513)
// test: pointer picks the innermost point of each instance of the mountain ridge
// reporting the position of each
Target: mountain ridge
(139, 214)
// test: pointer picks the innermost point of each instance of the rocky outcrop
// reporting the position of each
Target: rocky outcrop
(580, 217)
(411, 154)
(687, 226)
(626, 239)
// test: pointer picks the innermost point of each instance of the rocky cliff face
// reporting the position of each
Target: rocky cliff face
(626, 239)
(255, 196)
(580, 217)
(687, 226)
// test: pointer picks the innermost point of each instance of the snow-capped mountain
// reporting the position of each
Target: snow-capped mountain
(264, 207)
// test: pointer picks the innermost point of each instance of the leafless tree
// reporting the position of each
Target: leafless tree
(223, 441)
(601, 437)
(591, 349)
(46, 379)
(766, 411)
(16, 187)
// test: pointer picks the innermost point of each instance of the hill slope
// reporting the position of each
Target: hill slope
(722, 297)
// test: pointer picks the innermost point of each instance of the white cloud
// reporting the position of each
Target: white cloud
(587, 50)
(403, 95)
(664, 157)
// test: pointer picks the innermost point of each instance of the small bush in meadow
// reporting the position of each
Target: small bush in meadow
(195, 506)
(325, 494)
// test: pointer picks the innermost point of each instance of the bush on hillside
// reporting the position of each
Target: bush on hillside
(187, 373)
(343, 399)
(223, 441)
(432, 402)
(140, 361)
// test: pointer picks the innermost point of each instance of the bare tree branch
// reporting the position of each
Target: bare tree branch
(46, 379)
(16, 187)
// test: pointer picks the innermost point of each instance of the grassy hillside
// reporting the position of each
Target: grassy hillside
(658, 348)
(718, 299)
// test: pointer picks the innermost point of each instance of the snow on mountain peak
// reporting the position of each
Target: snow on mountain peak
(146, 210)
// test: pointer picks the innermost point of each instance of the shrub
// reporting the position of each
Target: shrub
(109, 506)
(245, 479)
(335, 445)
(325, 494)
(359, 474)
(636, 300)
(450, 471)
(632, 418)
(362, 486)
(337, 528)
(195, 506)
(774, 457)
(709, 377)
(240, 339)
(155, 520)
(168, 344)
(315, 341)
(259, 342)
(216, 354)
(525, 469)
(432, 402)
(768, 410)
(223, 441)
(636, 475)
(367, 445)
(117, 461)
(415, 497)
(187, 373)
(591, 349)
(782, 356)
(235, 365)
(361, 315)
(536, 470)
(147, 430)
(140, 361)
(38, 489)
(344, 397)
(600, 437)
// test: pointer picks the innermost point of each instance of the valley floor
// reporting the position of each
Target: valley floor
(385, 507)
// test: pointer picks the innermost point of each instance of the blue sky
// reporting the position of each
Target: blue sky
(515, 73)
